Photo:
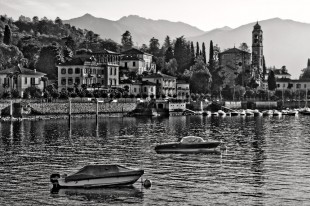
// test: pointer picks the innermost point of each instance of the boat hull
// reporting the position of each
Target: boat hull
(127, 178)
(207, 147)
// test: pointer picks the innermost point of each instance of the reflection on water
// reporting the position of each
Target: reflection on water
(266, 162)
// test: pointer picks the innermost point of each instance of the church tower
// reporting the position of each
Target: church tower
(257, 49)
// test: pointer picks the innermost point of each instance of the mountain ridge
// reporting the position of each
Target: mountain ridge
(282, 37)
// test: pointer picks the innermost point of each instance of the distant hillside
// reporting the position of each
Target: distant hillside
(142, 29)
(286, 42)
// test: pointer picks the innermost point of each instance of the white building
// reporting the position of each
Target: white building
(165, 84)
(20, 78)
(137, 61)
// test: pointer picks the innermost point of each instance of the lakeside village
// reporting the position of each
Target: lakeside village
(99, 77)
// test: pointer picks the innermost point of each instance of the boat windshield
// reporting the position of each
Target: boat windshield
(192, 139)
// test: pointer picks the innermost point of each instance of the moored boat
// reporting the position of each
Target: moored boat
(189, 144)
(98, 176)
(221, 113)
(276, 113)
(257, 113)
(249, 112)
(267, 113)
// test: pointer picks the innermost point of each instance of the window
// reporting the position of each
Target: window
(114, 81)
(283, 85)
(305, 85)
(25, 80)
(115, 71)
(151, 89)
(77, 80)
(298, 86)
(110, 81)
(125, 64)
(144, 89)
(77, 70)
(32, 81)
(70, 81)
(278, 85)
(133, 64)
(63, 81)
(135, 90)
(70, 71)
(63, 71)
(111, 72)
(85, 71)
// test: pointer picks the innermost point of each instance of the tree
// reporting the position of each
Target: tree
(7, 39)
(201, 77)
(35, 19)
(182, 53)
(168, 54)
(144, 48)
(204, 53)
(197, 49)
(192, 57)
(69, 42)
(272, 85)
(9, 56)
(154, 46)
(49, 56)
(244, 47)
(167, 43)
(172, 67)
(127, 42)
(58, 21)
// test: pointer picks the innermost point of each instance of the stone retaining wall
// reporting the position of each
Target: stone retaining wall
(81, 108)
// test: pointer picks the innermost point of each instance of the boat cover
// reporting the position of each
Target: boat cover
(101, 171)
(191, 139)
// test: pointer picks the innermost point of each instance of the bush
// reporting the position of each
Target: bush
(7, 95)
(104, 95)
(73, 95)
(15, 94)
(34, 92)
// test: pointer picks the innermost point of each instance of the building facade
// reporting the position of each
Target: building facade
(257, 54)
(234, 62)
(139, 88)
(166, 85)
(183, 90)
(98, 68)
(137, 61)
(20, 78)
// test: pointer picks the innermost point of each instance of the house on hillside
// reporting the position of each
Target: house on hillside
(20, 78)
(91, 70)
(137, 61)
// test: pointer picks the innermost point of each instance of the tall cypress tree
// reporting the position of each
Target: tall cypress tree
(7, 35)
(272, 84)
(192, 60)
(308, 65)
(204, 53)
(211, 53)
(197, 49)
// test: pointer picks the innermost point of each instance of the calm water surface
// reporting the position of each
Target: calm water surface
(266, 162)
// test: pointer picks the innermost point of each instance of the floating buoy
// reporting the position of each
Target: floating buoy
(147, 183)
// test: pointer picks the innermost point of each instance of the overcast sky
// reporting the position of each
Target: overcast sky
(204, 14)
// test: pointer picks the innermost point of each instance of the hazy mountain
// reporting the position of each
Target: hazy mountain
(286, 42)
(142, 29)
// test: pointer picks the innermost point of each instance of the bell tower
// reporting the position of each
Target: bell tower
(257, 49)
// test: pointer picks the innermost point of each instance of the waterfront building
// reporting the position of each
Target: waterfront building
(137, 61)
(139, 88)
(278, 73)
(165, 84)
(183, 90)
(96, 68)
(20, 78)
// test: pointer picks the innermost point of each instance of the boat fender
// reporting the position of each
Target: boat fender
(147, 183)
(54, 180)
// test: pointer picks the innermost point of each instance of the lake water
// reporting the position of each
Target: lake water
(266, 162)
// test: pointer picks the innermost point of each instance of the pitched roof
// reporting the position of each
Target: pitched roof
(75, 61)
(234, 50)
(159, 75)
(128, 57)
(105, 51)
(257, 26)
(135, 51)
(21, 70)
(148, 83)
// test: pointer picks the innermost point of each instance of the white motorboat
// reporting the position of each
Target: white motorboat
(98, 176)
(221, 113)
(267, 113)
(276, 113)
(257, 113)
(242, 112)
(249, 112)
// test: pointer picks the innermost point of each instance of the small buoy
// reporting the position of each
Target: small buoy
(147, 183)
